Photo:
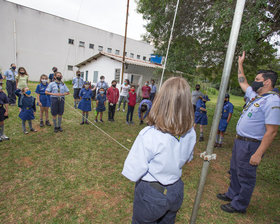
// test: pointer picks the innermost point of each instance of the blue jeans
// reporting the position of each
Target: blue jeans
(129, 114)
(151, 206)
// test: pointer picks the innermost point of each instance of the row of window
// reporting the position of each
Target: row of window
(109, 50)
(84, 75)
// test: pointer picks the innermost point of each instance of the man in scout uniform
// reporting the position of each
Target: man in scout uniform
(226, 116)
(10, 76)
(256, 129)
(57, 90)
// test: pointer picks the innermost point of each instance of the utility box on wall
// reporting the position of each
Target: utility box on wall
(155, 59)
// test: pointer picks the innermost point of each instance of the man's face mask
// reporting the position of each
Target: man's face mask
(256, 85)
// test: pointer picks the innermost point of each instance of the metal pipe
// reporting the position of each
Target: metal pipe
(170, 38)
(15, 43)
(124, 45)
(217, 115)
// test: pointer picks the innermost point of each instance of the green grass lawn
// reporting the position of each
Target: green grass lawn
(75, 176)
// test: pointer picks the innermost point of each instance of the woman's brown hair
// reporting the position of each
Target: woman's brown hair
(22, 68)
(43, 75)
(172, 110)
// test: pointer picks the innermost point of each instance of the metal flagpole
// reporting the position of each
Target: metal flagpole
(170, 38)
(222, 91)
(124, 45)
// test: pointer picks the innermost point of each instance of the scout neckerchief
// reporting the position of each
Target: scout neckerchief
(254, 100)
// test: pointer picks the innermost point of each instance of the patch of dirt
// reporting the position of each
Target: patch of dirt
(24, 161)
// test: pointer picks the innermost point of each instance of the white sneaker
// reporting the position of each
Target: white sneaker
(118, 109)
(4, 137)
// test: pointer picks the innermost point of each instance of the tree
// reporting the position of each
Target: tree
(202, 30)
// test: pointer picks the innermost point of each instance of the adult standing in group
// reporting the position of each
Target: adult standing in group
(101, 84)
(153, 90)
(112, 96)
(196, 94)
(57, 90)
(52, 75)
(124, 94)
(77, 83)
(146, 91)
(256, 129)
(10, 76)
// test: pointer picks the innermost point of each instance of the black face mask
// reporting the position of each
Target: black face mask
(58, 78)
(197, 89)
(22, 73)
(114, 85)
(55, 70)
(78, 75)
(256, 85)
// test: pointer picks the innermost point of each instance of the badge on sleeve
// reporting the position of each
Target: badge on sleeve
(256, 105)
(249, 114)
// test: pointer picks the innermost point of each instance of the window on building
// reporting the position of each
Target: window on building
(82, 44)
(131, 55)
(91, 46)
(100, 48)
(95, 76)
(138, 56)
(70, 67)
(144, 58)
(70, 41)
(117, 75)
(125, 54)
(117, 52)
(86, 75)
(82, 74)
(109, 50)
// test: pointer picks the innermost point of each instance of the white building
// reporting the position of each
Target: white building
(110, 65)
(38, 41)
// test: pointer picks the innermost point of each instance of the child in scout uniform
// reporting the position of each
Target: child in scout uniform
(43, 100)
(4, 102)
(100, 104)
(158, 154)
(85, 103)
(226, 116)
(144, 109)
(77, 83)
(201, 115)
(57, 90)
(131, 104)
(28, 108)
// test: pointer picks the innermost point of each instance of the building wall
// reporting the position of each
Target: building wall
(42, 41)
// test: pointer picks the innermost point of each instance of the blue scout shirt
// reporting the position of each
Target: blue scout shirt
(10, 75)
(41, 89)
(86, 93)
(3, 98)
(149, 105)
(227, 109)
(55, 87)
(200, 103)
(158, 156)
(263, 110)
(77, 83)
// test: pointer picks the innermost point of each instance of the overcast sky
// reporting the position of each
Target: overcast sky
(108, 15)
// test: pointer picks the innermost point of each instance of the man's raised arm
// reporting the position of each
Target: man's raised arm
(241, 76)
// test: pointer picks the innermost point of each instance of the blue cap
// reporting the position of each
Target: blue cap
(86, 83)
(227, 95)
(205, 97)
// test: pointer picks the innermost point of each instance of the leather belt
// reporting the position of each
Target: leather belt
(246, 139)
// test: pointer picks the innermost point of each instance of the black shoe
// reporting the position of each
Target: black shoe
(101, 121)
(33, 130)
(82, 123)
(60, 129)
(41, 124)
(48, 123)
(201, 139)
(223, 197)
(56, 129)
(86, 122)
(228, 208)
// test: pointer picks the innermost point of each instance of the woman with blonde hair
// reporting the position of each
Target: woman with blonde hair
(159, 153)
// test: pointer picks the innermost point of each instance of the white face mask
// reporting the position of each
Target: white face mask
(44, 81)
(1, 87)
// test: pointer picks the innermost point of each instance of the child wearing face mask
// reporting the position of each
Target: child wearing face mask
(131, 104)
(44, 101)
(21, 78)
(77, 83)
(146, 90)
(124, 94)
(28, 108)
(112, 96)
(85, 101)
(100, 104)
(4, 102)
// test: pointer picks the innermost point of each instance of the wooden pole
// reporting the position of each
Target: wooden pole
(124, 44)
